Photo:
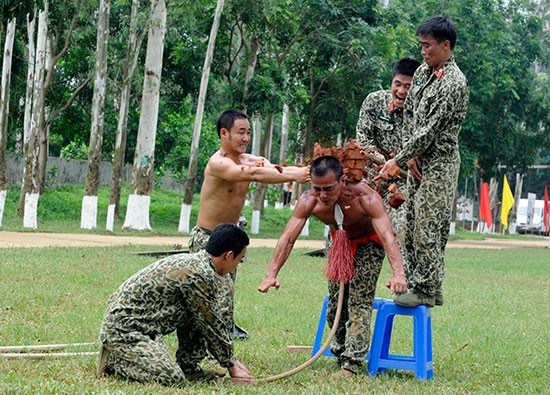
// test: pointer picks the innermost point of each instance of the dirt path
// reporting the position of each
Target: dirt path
(40, 239)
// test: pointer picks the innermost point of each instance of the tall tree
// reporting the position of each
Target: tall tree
(185, 214)
(30, 189)
(137, 213)
(64, 19)
(4, 110)
(130, 62)
(88, 218)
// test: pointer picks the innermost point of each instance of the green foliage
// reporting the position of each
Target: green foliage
(320, 57)
(501, 347)
(174, 137)
(76, 149)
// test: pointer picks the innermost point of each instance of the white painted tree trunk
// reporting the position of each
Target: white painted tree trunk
(137, 205)
(137, 212)
(110, 223)
(255, 223)
(4, 110)
(30, 219)
(88, 218)
(185, 218)
(305, 229)
(31, 184)
(194, 154)
(2, 205)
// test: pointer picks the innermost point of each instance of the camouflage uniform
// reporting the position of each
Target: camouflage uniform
(352, 339)
(380, 125)
(178, 293)
(434, 111)
(198, 238)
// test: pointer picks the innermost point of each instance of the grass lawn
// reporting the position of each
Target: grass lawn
(492, 336)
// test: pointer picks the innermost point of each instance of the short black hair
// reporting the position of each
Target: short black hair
(227, 237)
(440, 27)
(227, 119)
(405, 66)
(323, 164)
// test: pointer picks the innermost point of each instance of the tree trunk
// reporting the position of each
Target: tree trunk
(88, 219)
(185, 214)
(259, 194)
(137, 212)
(31, 58)
(4, 110)
(30, 189)
(50, 67)
(122, 128)
(251, 67)
(283, 148)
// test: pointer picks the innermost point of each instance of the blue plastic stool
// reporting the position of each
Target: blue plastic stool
(421, 362)
(321, 327)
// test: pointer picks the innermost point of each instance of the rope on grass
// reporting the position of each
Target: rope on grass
(30, 352)
(41, 355)
(42, 347)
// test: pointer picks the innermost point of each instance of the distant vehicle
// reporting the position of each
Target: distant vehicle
(529, 219)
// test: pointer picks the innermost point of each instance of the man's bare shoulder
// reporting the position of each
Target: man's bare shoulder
(357, 189)
(221, 158)
(306, 204)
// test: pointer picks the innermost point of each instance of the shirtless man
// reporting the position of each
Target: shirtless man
(227, 177)
(369, 229)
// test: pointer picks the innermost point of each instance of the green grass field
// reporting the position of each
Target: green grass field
(492, 336)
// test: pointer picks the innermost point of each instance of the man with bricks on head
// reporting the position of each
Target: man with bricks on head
(368, 235)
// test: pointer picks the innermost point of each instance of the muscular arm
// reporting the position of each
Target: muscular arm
(382, 225)
(284, 246)
(256, 169)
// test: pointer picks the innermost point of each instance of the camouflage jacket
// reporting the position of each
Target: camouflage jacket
(435, 108)
(379, 125)
(178, 291)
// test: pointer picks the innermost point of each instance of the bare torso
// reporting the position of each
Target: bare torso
(221, 200)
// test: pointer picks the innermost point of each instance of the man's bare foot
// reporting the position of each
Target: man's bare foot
(343, 373)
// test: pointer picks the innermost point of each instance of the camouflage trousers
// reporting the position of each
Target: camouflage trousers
(398, 221)
(428, 210)
(137, 357)
(352, 339)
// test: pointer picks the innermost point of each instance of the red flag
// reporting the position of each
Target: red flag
(484, 206)
(546, 211)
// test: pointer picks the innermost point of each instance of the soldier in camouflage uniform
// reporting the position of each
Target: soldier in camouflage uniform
(370, 234)
(179, 293)
(380, 126)
(227, 176)
(434, 112)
